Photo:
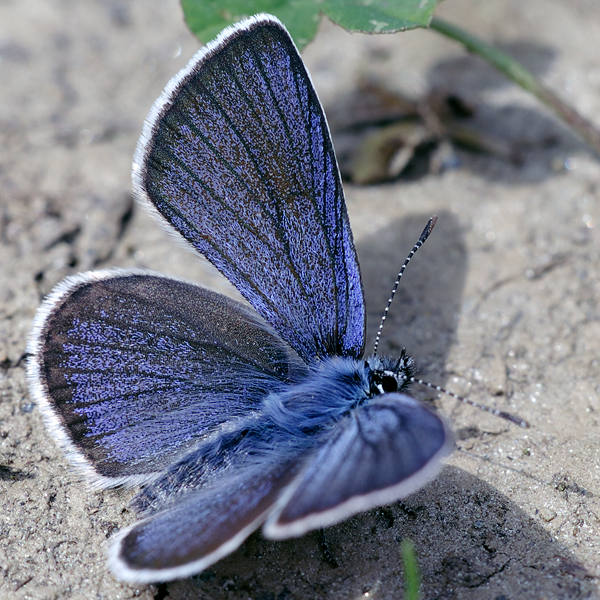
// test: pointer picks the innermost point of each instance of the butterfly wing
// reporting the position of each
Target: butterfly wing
(383, 451)
(132, 368)
(236, 156)
(202, 528)
(206, 504)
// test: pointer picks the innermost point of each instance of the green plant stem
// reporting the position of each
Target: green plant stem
(412, 579)
(521, 76)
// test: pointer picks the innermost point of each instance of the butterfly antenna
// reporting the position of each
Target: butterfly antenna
(428, 229)
(498, 413)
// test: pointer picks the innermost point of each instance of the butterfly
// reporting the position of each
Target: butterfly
(233, 416)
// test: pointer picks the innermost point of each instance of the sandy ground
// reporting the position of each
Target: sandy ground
(502, 304)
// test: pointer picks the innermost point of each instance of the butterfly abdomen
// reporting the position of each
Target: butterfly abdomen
(329, 391)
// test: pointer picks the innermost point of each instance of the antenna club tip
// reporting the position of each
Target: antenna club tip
(428, 229)
(431, 224)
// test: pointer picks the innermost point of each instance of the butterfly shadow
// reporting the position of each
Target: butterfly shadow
(471, 541)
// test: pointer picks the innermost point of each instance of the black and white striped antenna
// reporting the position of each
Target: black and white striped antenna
(428, 229)
(494, 411)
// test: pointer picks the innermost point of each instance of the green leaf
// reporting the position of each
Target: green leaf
(206, 18)
(379, 16)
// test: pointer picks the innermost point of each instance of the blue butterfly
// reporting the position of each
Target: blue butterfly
(233, 417)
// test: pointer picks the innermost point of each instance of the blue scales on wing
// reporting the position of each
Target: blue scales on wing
(384, 450)
(295, 466)
(205, 504)
(237, 157)
(137, 368)
(206, 523)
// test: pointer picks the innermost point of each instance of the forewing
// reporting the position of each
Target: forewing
(131, 368)
(236, 156)
(383, 451)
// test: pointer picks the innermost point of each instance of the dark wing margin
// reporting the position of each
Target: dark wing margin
(384, 451)
(131, 369)
(236, 156)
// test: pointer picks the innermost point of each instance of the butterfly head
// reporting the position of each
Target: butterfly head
(387, 374)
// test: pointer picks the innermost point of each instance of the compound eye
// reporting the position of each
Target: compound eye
(389, 384)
